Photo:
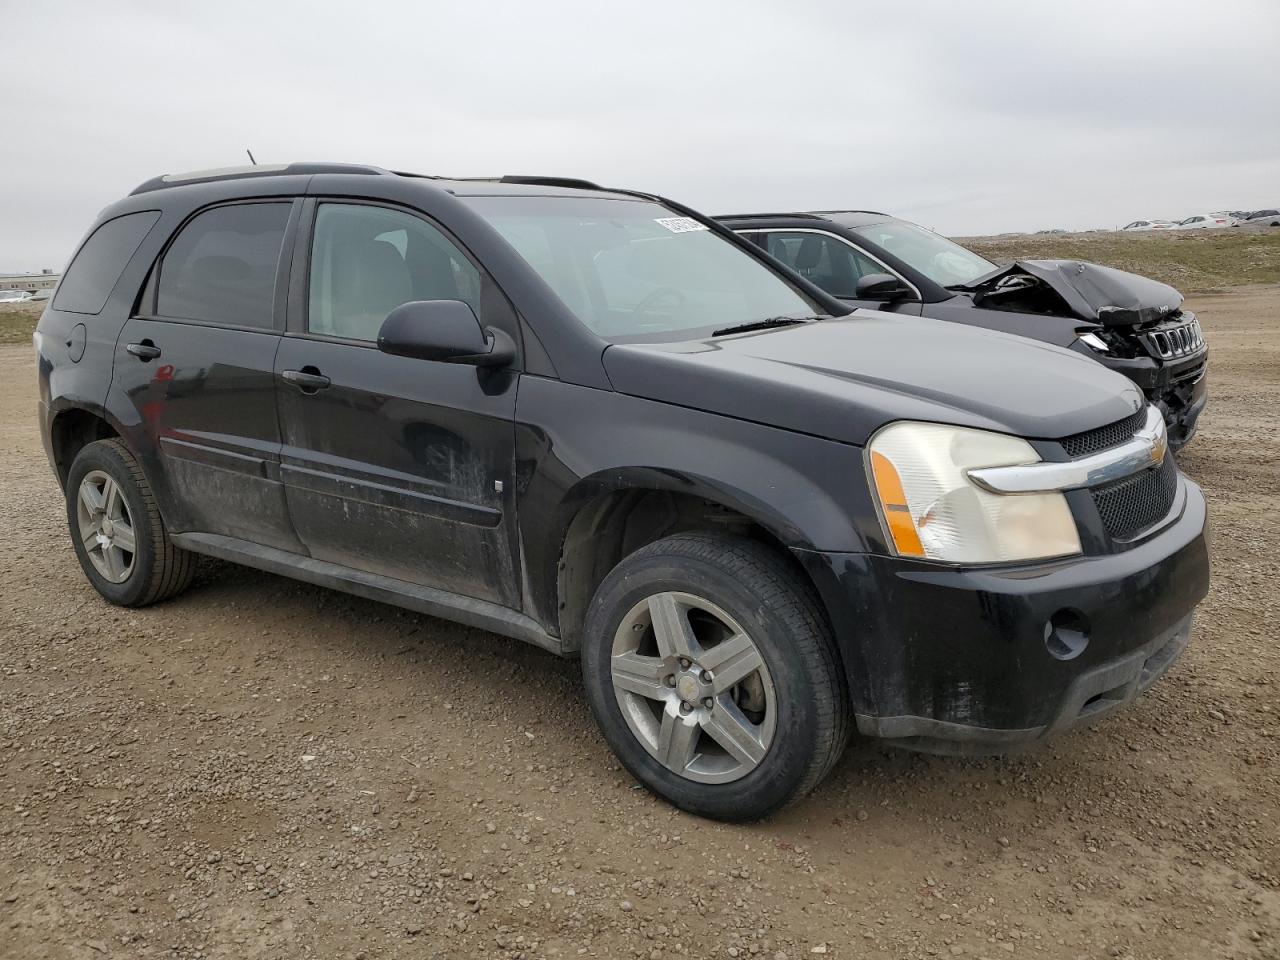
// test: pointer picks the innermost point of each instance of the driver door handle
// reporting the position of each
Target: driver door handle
(308, 379)
(146, 350)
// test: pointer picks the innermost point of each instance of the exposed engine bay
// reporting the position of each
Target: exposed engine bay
(1071, 288)
(1133, 323)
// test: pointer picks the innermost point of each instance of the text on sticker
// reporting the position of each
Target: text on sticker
(680, 224)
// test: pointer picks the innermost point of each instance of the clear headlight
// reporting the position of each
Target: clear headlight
(1094, 341)
(931, 509)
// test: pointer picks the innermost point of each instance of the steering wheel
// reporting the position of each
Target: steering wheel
(651, 300)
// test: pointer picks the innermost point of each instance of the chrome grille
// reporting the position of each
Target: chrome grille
(1172, 342)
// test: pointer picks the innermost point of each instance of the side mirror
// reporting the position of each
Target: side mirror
(446, 331)
(881, 286)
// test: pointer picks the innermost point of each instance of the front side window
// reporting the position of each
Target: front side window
(941, 260)
(222, 267)
(636, 270)
(825, 260)
(96, 268)
(366, 261)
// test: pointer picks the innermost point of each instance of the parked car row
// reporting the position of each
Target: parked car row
(1210, 221)
(761, 515)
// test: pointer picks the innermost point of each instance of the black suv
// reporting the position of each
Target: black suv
(599, 422)
(1129, 323)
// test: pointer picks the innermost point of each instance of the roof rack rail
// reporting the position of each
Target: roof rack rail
(571, 182)
(874, 213)
(763, 216)
(258, 170)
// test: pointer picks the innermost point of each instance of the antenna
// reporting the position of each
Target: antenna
(251, 160)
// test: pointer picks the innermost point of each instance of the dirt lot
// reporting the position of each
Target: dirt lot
(265, 769)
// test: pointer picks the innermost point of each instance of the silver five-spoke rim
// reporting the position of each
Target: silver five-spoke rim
(105, 527)
(693, 687)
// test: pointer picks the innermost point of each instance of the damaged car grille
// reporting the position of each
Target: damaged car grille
(1172, 342)
(1129, 506)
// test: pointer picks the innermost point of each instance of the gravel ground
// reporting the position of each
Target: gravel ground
(265, 769)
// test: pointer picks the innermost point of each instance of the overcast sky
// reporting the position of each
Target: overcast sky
(964, 115)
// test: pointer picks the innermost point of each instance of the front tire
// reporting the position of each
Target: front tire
(713, 675)
(117, 531)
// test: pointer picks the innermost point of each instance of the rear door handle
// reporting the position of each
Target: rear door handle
(146, 350)
(308, 379)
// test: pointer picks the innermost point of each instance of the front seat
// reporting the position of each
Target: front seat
(370, 280)
(807, 257)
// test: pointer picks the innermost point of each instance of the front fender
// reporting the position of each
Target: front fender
(575, 443)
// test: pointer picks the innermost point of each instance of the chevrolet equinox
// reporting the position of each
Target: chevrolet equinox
(602, 423)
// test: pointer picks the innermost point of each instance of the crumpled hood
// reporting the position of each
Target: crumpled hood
(1091, 292)
(845, 378)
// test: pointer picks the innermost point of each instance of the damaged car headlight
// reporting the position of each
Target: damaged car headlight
(1094, 341)
(932, 510)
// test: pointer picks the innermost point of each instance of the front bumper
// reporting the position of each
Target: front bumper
(1182, 403)
(989, 660)
(1179, 388)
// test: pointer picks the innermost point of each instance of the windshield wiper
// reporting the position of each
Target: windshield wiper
(764, 324)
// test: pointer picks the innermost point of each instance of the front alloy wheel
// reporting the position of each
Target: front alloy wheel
(693, 687)
(712, 671)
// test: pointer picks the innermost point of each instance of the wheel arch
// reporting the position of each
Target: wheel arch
(71, 429)
(605, 519)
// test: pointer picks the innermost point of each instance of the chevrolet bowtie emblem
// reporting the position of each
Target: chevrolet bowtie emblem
(1156, 435)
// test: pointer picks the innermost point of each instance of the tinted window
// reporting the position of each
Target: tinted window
(366, 261)
(222, 267)
(827, 261)
(637, 270)
(96, 268)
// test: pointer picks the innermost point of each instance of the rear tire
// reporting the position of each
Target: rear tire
(117, 531)
(752, 712)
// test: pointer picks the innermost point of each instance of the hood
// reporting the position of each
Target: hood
(844, 378)
(1089, 291)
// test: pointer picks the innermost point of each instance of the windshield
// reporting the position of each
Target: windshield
(636, 270)
(942, 261)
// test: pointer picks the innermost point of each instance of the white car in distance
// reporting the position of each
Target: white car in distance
(1205, 221)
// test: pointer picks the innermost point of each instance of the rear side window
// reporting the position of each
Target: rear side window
(96, 268)
(222, 266)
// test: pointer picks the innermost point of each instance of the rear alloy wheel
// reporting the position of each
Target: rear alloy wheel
(105, 527)
(712, 672)
(117, 531)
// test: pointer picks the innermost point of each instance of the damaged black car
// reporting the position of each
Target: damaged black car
(1129, 323)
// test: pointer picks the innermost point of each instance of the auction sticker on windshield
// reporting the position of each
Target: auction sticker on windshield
(680, 224)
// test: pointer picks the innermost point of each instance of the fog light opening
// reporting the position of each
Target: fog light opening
(1066, 634)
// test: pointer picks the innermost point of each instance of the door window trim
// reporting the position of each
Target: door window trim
(835, 236)
(299, 282)
(148, 298)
